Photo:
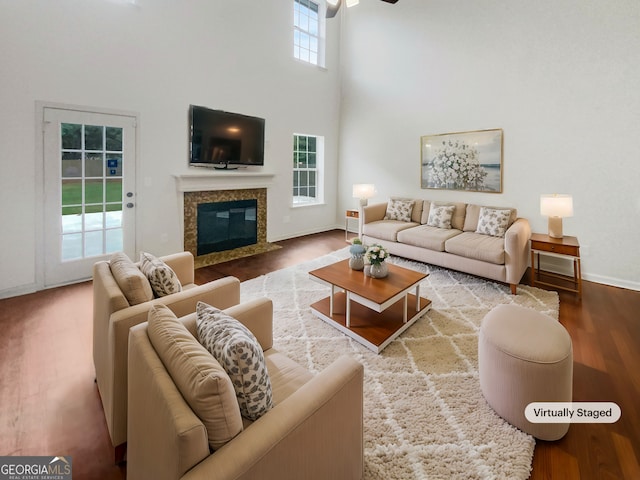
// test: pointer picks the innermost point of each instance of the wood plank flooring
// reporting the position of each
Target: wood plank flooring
(49, 403)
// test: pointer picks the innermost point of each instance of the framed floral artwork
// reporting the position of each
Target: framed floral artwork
(470, 161)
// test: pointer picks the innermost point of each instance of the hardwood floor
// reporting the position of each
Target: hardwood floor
(49, 404)
(605, 330)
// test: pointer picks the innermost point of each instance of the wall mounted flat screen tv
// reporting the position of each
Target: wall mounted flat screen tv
(219, 139)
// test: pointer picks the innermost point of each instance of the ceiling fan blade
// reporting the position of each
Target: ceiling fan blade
(334, 6)
(333, 9)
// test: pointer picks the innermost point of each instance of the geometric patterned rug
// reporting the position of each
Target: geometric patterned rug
(424, 414)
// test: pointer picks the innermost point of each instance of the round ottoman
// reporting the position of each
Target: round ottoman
(525, 356)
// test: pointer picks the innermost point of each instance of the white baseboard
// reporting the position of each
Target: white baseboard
(561, 267)
(306, 232)
(20, 290)
(613, 282)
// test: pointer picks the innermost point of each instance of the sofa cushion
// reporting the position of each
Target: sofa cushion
(477, 246)
(416, 215)
(473, 213)
(386, 229)
(457, 220)
(424, 236)
(440, 216)
(426, 207)
(203, 383)
(286, 375)
(162, 278)
(240, 354)
(133, 283)
(493, 221)
(399, 210)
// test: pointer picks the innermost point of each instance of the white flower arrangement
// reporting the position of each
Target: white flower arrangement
(457, 165)
(376, 254)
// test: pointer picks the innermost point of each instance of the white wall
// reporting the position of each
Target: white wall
(560, 77)
(155, 60)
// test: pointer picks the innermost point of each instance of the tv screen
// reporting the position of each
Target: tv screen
(219, 138)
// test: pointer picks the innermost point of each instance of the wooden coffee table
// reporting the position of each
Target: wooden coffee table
(372, 311)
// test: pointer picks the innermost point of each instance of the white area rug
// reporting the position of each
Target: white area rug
(424, 414)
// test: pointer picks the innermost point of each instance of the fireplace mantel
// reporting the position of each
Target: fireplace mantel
(205, 181)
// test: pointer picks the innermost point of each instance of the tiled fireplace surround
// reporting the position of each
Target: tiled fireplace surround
(211, 187)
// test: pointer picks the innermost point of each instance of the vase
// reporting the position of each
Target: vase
(356, 262)
(379, 270)
(357, 249)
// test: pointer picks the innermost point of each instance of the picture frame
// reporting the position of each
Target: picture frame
(467, 161)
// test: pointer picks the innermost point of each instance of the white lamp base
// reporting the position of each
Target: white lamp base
(555, 227)
(363, 203)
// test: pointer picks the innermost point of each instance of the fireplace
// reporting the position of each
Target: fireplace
(221, 225)
(226, 225)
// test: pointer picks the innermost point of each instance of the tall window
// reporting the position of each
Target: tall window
(308, 36)
(308, 155)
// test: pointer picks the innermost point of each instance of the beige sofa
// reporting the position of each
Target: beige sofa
(313, 431)
(113, 316)
(501, 258)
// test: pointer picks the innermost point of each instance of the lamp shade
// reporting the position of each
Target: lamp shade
(556, 205)
(363, 191)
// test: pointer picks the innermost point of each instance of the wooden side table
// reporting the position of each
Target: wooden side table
(565, 247)
(350, 215)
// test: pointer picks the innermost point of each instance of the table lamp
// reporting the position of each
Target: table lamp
(556, 207)
(363, 191)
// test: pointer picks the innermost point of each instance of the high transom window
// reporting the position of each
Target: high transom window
(307, 32)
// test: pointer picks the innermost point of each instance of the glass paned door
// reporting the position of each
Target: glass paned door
(89, 165)
(91, 190)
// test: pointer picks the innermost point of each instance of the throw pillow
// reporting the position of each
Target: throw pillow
(132, 282)
(399, 210)
(473, 214)
(440, 215)
(240, 354)
(162, 278)
(493, 221)
(203, 383)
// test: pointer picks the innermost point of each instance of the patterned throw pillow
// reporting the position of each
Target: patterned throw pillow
(440, 215)
(493, 221)
(399, 210)
(162, 278)
(240, 354)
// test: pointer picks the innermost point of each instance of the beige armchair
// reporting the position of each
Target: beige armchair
(113, 316)
(313, 431)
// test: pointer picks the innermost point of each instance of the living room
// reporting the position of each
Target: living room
(559, 78)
